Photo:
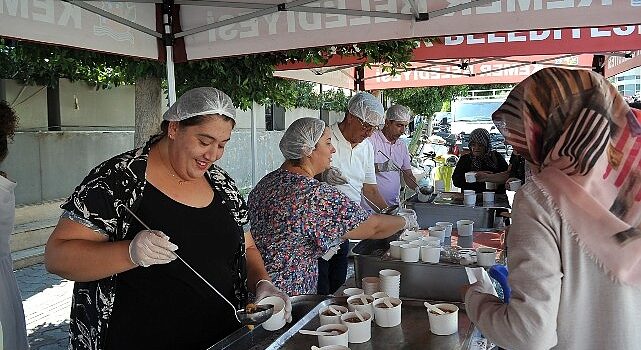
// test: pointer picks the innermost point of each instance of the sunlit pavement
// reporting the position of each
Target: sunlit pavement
(47, 302)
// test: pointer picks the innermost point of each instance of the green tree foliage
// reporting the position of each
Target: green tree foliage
(427, 100)
(245, 79)
(34, 64)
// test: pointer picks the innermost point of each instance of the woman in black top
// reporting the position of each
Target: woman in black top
(129, 291)
(480, 159)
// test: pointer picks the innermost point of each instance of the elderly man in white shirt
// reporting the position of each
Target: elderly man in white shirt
(352, 173)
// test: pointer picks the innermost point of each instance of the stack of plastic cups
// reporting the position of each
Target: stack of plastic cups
(370, 285)
(390, 282)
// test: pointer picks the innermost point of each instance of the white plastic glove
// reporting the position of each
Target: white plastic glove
(334, 177)
(411, 222)
(331, 252)
(151, 247)
(265, 288)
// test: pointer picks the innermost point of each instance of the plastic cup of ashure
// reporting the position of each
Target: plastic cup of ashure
(465, 227)
(362, 303)
(379, 295)
(370, 285)
(470, 176)
(486, 256)
(490, 185)
(438, 232)
(447, 226)
(277, 320)
(445, 324)
(388, 312)
(431, 254)
(352, 291)
(469, 199)
(395, 249)
(328, 317)
(341, 338)
(514, 185)
(409, 236)
(359, 331)
(410, 252)
(488, 197)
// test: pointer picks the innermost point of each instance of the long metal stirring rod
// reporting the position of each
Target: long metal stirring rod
(364, 196)
(186, 264)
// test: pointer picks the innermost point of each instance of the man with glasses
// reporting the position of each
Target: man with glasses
(352, 173)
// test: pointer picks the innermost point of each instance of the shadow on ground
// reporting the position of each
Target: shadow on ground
(50, 336)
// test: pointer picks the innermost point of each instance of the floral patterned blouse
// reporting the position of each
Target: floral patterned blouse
(97, 203)
(294, 221)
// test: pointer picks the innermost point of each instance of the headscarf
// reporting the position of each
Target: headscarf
(577, 129)
(485, 161)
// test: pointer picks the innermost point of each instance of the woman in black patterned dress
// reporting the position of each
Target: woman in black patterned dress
(130, 292)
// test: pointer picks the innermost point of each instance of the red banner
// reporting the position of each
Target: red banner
(618, 64)
(572, 41)
(482, 72)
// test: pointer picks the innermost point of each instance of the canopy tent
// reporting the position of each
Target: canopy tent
(217, 28)
(504, 57)
(227, 28)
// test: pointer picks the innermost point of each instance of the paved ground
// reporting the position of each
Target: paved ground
(47, 301)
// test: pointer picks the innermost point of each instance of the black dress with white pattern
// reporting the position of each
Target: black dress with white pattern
(98, 204)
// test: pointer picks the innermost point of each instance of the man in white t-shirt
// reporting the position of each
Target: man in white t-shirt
(352, 173)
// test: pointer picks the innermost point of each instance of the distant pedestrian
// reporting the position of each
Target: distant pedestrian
(12, 322)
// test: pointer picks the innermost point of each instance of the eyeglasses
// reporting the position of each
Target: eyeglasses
(367, 127)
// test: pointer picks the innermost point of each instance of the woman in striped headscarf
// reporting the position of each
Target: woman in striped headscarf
(575, 243)
(481, 159)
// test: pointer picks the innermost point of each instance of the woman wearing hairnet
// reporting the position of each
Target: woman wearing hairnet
(575, 245)
(482, 158)
(129, 291)
(296, 219)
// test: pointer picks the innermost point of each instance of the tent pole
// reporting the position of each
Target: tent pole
(253, 141)
(169, 49)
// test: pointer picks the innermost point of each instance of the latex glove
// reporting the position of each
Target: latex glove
(334, 177)
(411, 222)
(265, 288)
(331, 252)
(151, 247)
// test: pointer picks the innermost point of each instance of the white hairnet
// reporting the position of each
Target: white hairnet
(301, 137)
(398, 113)
(200, 101)
(367, 108)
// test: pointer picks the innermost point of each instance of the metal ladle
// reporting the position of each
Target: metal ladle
(260, 315)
